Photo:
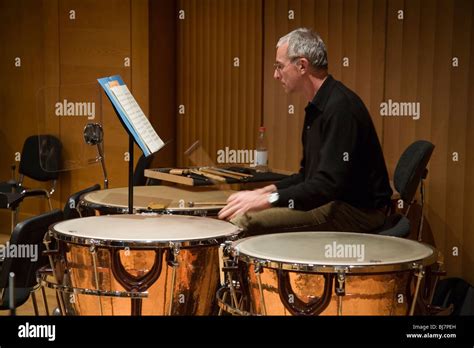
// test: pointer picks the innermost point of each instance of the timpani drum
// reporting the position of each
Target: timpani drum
(198, 201)
(323, 273)
(136, 264)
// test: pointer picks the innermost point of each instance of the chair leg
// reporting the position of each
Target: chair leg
(35, 304)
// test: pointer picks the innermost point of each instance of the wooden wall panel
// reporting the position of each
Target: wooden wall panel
(22, 30)
(393, 80)
(57, 51)
(282, 126)
(468, 214)
(353, 29)
(419, 68)
(222, 102)
(96, 44)
(162, 77)
(456, 199)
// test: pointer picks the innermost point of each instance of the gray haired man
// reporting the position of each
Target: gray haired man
(342, 184)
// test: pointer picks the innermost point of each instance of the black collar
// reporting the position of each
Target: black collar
(320, 99)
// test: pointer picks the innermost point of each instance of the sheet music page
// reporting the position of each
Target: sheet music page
(137, 118)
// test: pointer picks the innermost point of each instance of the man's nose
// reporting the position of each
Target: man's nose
(276, 75)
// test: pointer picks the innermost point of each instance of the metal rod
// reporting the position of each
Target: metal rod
(339, 305)
(13, 220)
(11, 293)
(96, 276)
(43, 292)
(340, 291)
(59, 299)
(224, 297)
(100, 150)
(260, 289)
(130, 175)
(232, 290)
(49, 202)
(35, 303)
(221, 265)
(419, 275)
(420, 226)
(174, 263)
(60, 304)
(173, 279)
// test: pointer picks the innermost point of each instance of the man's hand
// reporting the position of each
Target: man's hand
(244, 201)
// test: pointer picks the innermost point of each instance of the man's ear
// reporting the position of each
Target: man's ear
(303, 66)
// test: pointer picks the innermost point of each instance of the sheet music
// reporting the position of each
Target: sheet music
(137, 118)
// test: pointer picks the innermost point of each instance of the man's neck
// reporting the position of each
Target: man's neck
(312, 86)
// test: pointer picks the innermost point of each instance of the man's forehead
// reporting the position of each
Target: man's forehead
(282, 51)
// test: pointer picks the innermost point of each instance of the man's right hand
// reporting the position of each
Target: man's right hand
(266, 189)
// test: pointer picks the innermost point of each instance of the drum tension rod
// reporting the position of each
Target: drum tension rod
(340, 289)
(93, 251)
(258, 271)
(419, 273)
(49, 253)
(173, 262)
(230, 267)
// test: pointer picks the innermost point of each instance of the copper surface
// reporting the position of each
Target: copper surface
(196, 281)
(374, 294)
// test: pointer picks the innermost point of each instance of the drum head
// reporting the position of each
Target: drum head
(144, 230)
(169, 197)
(327, 251)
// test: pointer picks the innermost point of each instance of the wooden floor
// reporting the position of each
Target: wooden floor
(27, 308)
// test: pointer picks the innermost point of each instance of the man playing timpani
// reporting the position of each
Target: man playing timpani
(342, 184)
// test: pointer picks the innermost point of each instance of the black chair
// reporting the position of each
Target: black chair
(27, 233)
(409, 174)
(40, 161)
(143, 163)
(70, 208)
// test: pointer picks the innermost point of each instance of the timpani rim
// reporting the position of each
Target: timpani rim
(321, 267)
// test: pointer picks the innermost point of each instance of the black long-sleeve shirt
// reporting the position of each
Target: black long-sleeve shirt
(342, 156)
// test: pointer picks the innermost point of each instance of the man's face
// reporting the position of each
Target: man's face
(285, 71)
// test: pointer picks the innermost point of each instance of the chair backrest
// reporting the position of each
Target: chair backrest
(27, 238)
(143, 163)
(411, 168)
(40, 157)
(70, 211)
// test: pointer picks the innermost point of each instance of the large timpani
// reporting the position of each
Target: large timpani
(324, 273)
(165, 199)
(136, 264)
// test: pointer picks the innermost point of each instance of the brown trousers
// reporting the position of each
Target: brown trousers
(333, 216)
